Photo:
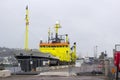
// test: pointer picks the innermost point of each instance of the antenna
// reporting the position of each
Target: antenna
(95, 51)
(49, 34)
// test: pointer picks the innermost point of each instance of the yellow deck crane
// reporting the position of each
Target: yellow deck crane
(26, 32)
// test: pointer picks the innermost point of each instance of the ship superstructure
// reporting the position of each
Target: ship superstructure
(59, 46)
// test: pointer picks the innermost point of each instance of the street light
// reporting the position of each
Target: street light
(95, 51)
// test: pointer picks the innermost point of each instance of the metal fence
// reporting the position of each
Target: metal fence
(40, 65)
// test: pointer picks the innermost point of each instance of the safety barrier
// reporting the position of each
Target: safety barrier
(5, 73)
(50, 68)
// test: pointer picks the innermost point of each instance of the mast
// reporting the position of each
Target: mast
(26, 31)
(57, 26)
(48, 35)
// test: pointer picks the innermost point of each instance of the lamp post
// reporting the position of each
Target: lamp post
(95, 51)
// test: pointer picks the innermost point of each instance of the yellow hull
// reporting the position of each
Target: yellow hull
(59, 50)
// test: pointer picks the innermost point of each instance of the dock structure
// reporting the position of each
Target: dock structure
(30, 60)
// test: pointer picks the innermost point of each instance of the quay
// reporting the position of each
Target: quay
(61, 73)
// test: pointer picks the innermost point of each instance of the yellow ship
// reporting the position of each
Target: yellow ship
(59, 47)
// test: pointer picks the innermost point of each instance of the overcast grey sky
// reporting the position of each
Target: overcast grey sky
(88, 22)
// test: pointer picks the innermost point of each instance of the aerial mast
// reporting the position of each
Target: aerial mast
(26, 31)
(49, 35)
